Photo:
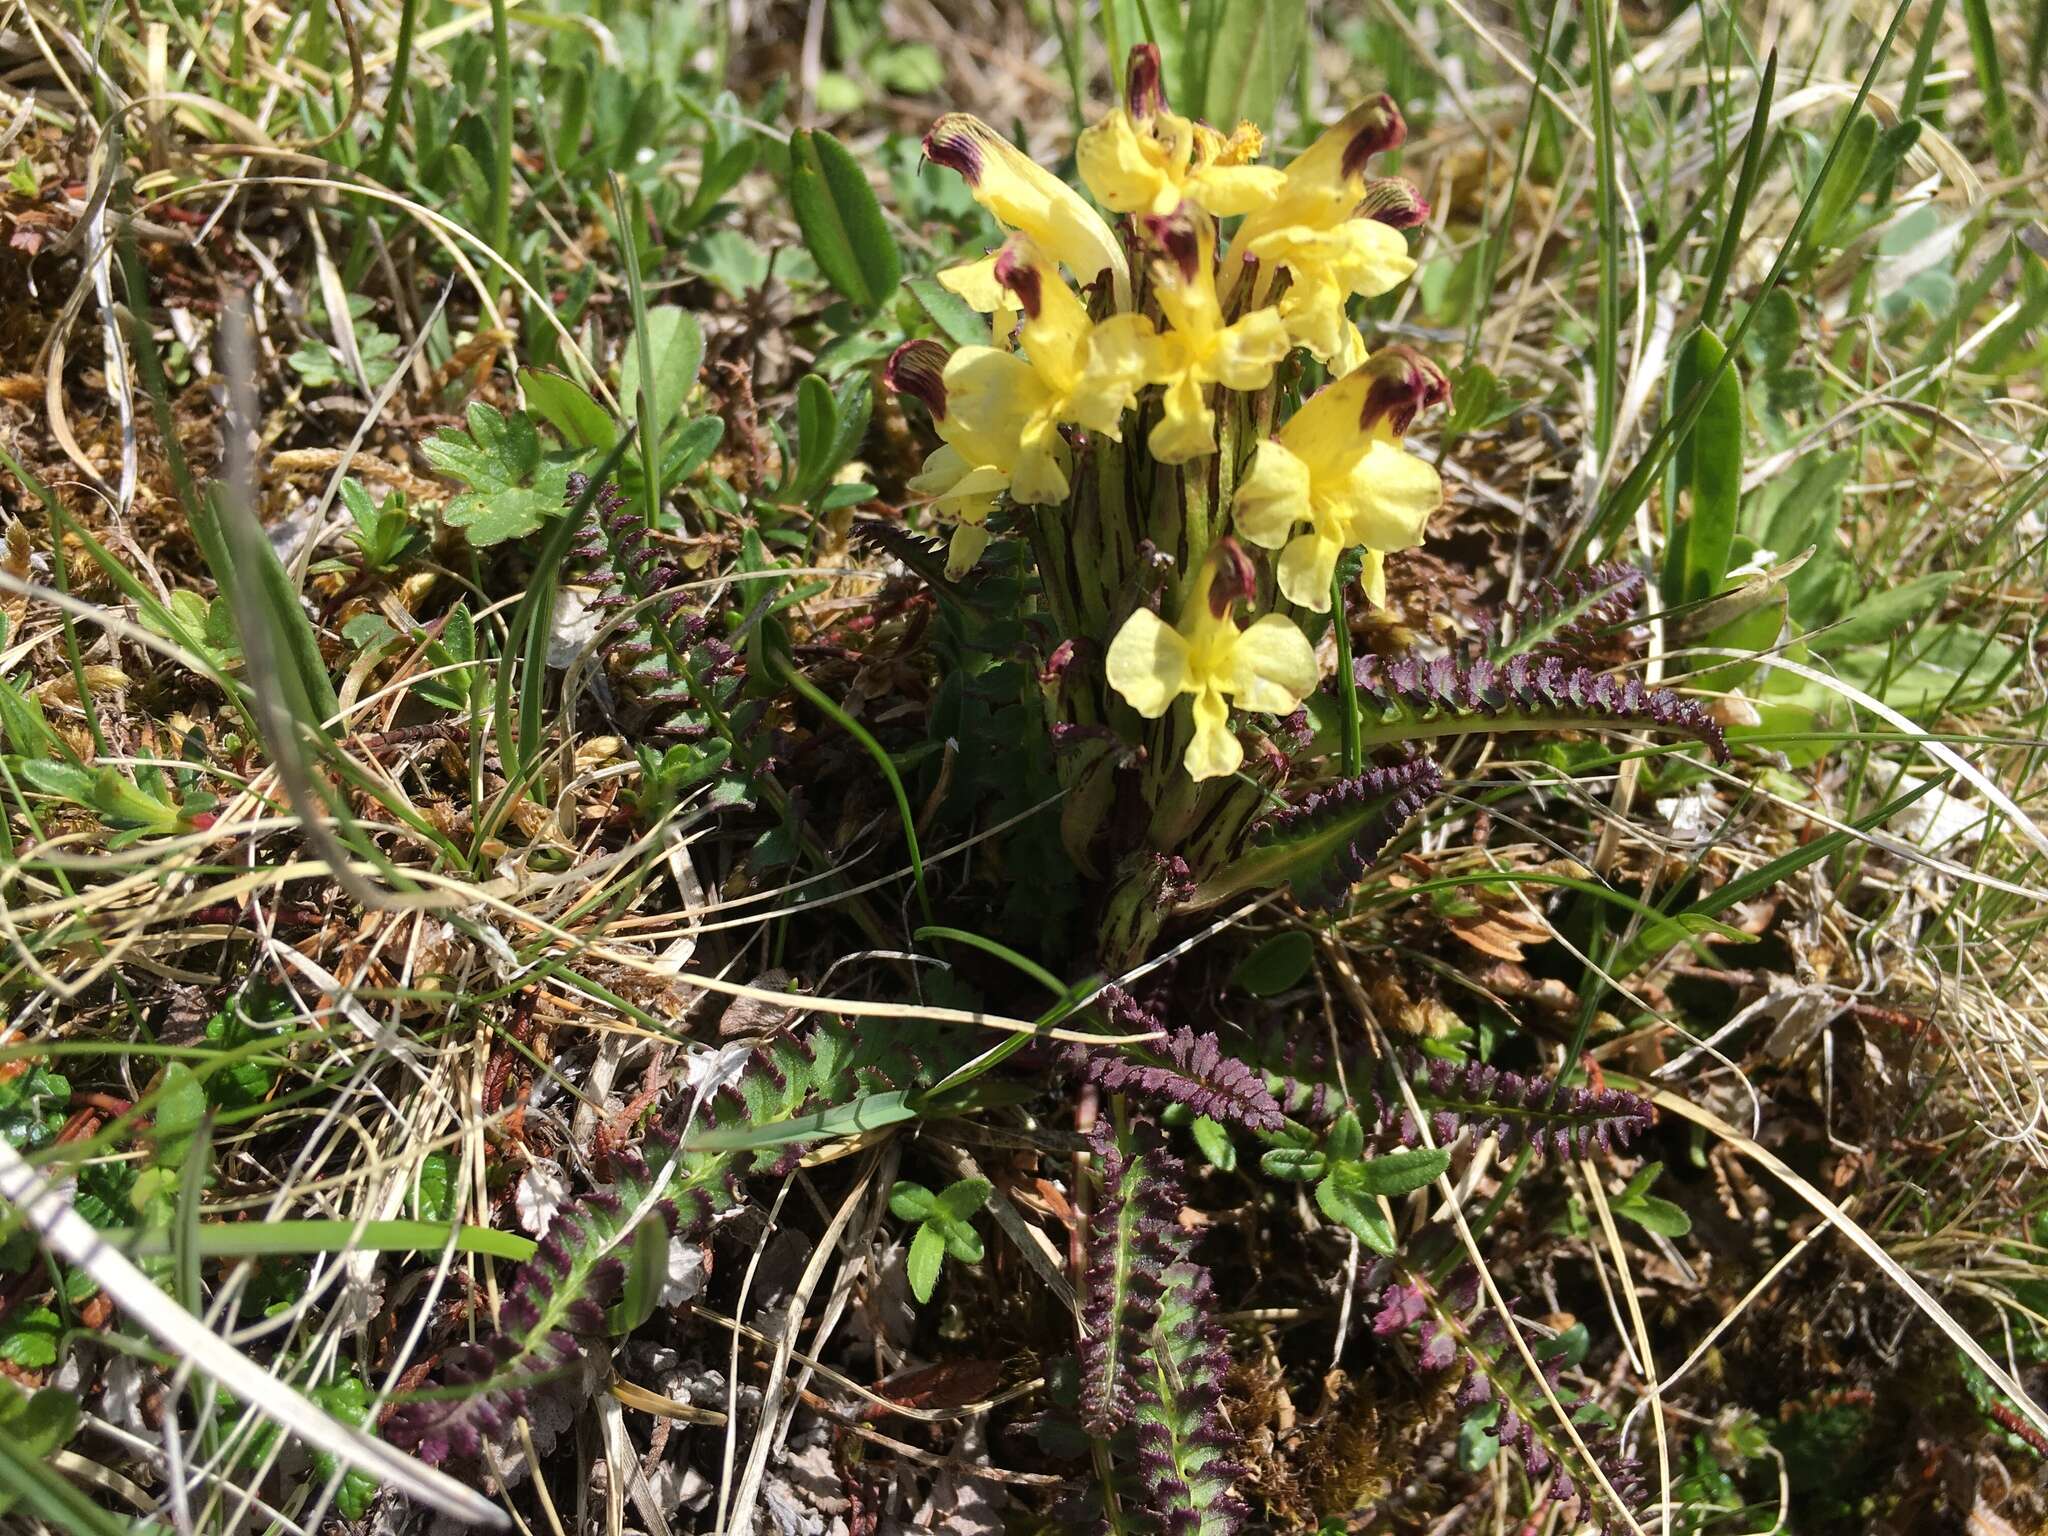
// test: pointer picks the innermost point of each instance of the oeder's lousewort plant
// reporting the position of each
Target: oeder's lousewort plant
(1177, 417)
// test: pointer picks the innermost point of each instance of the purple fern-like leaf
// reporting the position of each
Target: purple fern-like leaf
(1565, 616)
(1414, 698)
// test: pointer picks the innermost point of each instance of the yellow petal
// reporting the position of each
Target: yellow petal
(1392, 496)
(1325, 433)
(1247, 352)
(1187, 427)
(1229, 190)
(1273, 497)
(943, 468)
(990, 397)
(1273, 667)
(1148, 663)
(1215, 753)
(1056, 324)
(976, 282)
(1040, 476)
(1119, 357)
(1372, 575)
(1124, 167)
(1333, 167)
(969, 540)
(1025, 196)
(1308, 566)
(973, 496)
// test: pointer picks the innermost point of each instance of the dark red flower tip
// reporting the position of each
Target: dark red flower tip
(951, 146)
(1144, 89)
(1404, 384)
(1236, 579)
(1175, 235)
(919, 368)
(1394, 201)
(1381, 130)
(1022, 279)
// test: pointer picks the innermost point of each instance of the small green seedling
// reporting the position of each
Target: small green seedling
(1348, 1184)
(942, 1227)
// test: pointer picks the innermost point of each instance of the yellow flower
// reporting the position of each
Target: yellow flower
(1145, 159)
(1063, 375)
(1028, 199)
(975, 461)
(1268, 667)
(1199, 350)
(1335, 231)
(1339, 467)
(1325, 268)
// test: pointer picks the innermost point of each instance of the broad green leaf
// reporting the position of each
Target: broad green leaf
(1349, 1207)
(179, 1104)
(927, 1253)
(1845, 179)
(1395, 1173)
(28, 1337)
(675, 345)
(962, 1241)
(1214, 1143)
(1277, 964)
(817, 427)
(691, 445)
(1249, 49)
(1655, 1215)
(67, 781)
(961, 1200)
(1346, 1139)
(869, 1112)
(912, 1202)
(52, 1498)
(37, 1424)
(646, 1264)
(361, 510)
(962, 324)
(1886, 612)
(570, 409)
(1293, 1165)
(1707, 464)
(436, 1187)
(511, 491)
(842, 223)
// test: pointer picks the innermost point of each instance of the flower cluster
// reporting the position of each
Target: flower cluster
(1183, 319)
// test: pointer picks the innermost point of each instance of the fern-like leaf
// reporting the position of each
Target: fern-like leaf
(1183, 1068)
(1186, 1447)
(553, 1312)
(666, 658)
(1452, 1329)
(1567, 615)
(1415, 698)
(1134, 1239)
(1319, 846)
(552, 1322)
(1473, 1100)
